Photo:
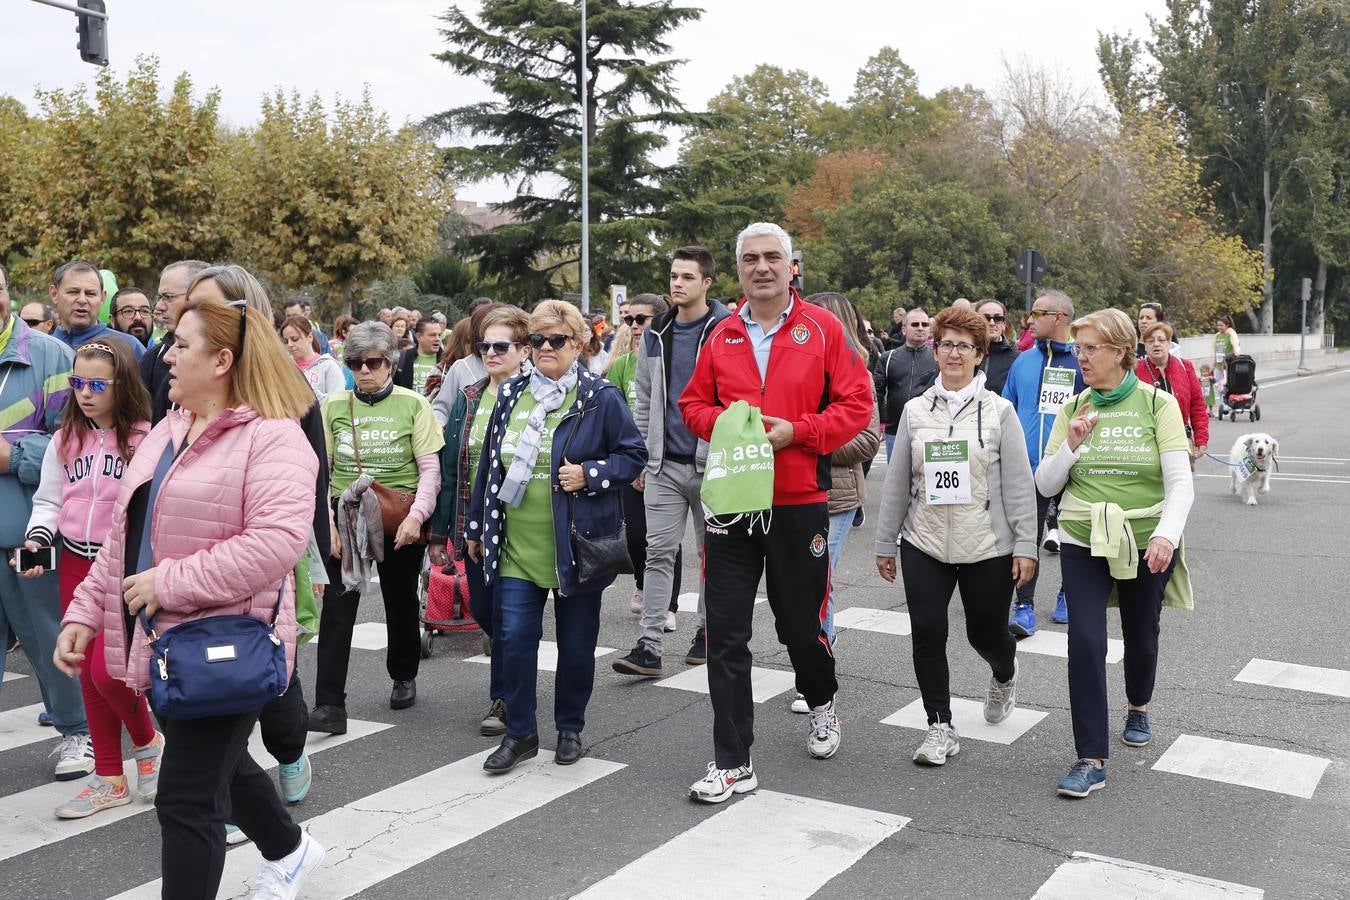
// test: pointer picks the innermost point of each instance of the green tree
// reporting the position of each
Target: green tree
(527, 51)
(333, 204)
(886, 108)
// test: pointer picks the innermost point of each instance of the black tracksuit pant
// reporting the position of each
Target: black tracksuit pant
(791, 542)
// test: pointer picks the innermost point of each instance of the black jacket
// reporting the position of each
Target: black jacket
(897, 379)
(403, 372)
(155, 377)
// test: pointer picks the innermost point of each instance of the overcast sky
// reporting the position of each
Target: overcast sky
(247, 47)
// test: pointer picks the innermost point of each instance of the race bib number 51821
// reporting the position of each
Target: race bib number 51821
(946, 472)
(1056, 389)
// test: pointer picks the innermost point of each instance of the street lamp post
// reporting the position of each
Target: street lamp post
(585, 175)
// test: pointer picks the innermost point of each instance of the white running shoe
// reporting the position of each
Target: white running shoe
(74, 757)
(282, 879)
(824, 738)
(1051, 542)
(1001, 697)
(940, 743)
(635, 603)
(719, 784)
(799, 704)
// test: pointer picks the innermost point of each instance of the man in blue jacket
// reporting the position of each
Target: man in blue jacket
(77, 293)
(34, 386)
(1039, 382)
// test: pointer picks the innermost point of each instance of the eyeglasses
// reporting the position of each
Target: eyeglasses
(556, 341)
(243, 322)
(996, 318)
(501, 348)
(1042, 313)
(640, 318)
(97, 385)
(960, 348)
(1087, 349)
(168, 296)
(135, 312)
(373, 363)
(919, 324)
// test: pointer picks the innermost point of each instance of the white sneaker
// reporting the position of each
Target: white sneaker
(635, 603)
(940, 743)
(671, 623)
(282, 879)
(824, 738)
(719, 784)
(74, 757)
(799, 704)
(1001, 697)
(1051, 542)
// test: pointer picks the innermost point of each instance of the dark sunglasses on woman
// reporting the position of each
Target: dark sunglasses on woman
(640, 318)
(501, 348)
(373, 363)
(996, 318)
(556, 341)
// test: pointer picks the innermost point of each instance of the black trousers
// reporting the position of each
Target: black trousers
(1027, 592)
(794, 549)
(205, 778)
(284, 722)
(985, 589)
(1087, 586)
(635, 524)
(398, 586)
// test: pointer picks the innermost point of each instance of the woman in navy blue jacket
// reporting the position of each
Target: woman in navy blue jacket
(560, 445)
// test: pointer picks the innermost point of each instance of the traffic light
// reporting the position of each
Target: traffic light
(797, 270)
(93, 33)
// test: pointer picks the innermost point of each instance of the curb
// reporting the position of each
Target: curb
(1320, 370)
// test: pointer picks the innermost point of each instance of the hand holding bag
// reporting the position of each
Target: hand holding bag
(395, 505)
(738, 476)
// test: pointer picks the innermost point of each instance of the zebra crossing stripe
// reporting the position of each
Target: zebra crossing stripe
(1313, 679)
(27, 821)
(548, 656)
(884, 621)
(688, 603)
(772, 835)
(1104, 878)
(968, 719)
(366, 636)
(381, 835)
(1056, 643)
(764, 683)
(19, 727)
(1264, 768)
(12, 676)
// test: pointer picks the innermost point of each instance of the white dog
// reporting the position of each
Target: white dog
(1252, 456)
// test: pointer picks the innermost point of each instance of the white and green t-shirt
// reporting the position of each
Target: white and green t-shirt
(423, 366)
(391, 435)
(531, 552)
(1120, 462)
(487, 401)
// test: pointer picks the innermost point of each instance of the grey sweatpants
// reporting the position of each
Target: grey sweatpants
(670, 496)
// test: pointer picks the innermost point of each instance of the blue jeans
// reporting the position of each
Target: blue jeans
(32, 608)
(520, 625)
(840, 523)
(890, 443)
(482, 604)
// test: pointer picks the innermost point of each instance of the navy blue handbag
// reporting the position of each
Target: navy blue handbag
(215, 666)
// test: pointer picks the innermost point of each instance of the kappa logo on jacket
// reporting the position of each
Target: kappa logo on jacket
(735, 340)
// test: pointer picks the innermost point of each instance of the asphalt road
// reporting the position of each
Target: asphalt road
(1270, 585)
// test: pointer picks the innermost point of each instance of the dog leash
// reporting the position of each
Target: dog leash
(1234, 465)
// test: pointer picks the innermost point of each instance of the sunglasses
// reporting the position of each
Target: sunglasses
(243, 322)
(640, 318)
(996, 318)
(34, 323)
(97, 385)
(556, 341)
(373, 363)
(1042, 313)
(501, 348)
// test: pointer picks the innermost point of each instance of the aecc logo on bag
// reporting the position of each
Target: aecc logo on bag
(743, 458)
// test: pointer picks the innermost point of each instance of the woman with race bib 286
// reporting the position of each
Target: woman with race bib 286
(1119, 453)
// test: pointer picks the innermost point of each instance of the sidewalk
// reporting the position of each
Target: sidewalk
(1315, 363)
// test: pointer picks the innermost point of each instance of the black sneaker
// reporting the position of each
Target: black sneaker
(639, 661)
(698, 650)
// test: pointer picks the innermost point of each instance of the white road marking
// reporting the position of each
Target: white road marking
(1307, 477)
(1104, 878)
(13, 676)
(367, 636)
(689, 602)
(377, 837)
(764, 683)
(27, 823)
(1264, 768)
(19, 727)
(1313, 679)
(883, 621)
(548, 656)
(1056, 643)
(771, 834)
(968, 719)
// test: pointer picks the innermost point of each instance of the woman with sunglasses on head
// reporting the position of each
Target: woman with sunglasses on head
(504, 350)
(558, 448)
(103, 423)
(388, 433)
(213, 514)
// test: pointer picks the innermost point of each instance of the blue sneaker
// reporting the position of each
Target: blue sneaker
(295, 779)
(1136, 733)
(45, 719)
(1083, 779)
(1061, 614)
(1023, 622)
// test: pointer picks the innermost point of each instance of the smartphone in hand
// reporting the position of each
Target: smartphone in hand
(42, 558)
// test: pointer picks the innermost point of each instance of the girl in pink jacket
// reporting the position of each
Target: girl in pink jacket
(212, 516)
(103, 423)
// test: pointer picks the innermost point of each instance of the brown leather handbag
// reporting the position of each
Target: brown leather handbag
(394, 504)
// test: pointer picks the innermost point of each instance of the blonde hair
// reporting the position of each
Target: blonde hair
(512, 317)
(262, 374)
(1116, 330)
(559, 314)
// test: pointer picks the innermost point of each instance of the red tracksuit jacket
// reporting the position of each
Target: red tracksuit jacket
(814, 380)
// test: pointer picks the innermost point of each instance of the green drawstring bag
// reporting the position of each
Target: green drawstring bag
(306, 609)
(738, 477)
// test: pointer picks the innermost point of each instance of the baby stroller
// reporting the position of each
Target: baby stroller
(1240, 391)
(444, 600)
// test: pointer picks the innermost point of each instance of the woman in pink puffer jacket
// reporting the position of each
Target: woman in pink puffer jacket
(217, 532)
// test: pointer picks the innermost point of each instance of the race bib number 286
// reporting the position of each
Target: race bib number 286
(946, 472)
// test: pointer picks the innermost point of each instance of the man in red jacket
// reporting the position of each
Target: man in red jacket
(790, 359)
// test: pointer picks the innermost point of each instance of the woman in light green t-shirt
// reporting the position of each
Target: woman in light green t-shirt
(1226, 346)
(1119, 453)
